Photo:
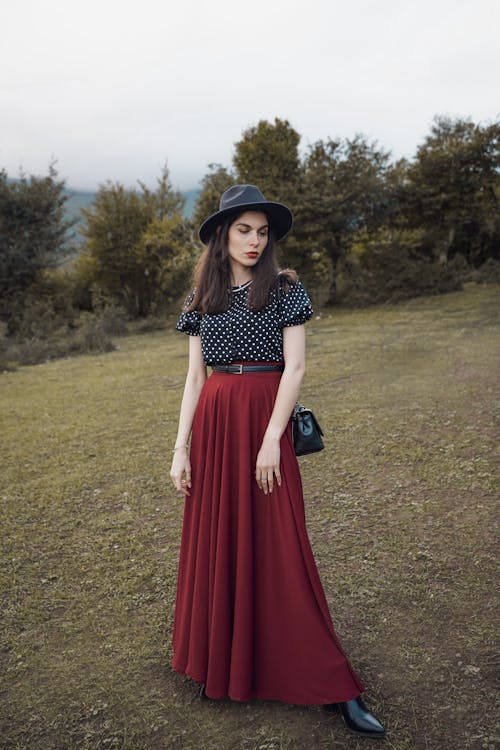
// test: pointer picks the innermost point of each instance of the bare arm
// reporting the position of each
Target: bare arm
(195, 379)
(268, 459)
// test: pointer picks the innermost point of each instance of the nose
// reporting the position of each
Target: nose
(254, 238)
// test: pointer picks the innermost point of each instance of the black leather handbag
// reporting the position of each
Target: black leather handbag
(306, 431)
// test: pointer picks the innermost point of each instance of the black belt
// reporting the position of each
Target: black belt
(241, 369)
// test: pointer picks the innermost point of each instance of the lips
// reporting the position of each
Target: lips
(252, 255)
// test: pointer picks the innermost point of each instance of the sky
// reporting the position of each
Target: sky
(113, 89)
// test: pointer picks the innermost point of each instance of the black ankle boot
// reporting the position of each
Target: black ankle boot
(202, 695)
(358, 718)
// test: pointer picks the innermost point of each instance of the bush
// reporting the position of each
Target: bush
(315, 269)
(41, 340)
(489, 272)
(91, 335)
(81, 275)
(149, 324)
(387, 267)
(113, 321)
(113, 317)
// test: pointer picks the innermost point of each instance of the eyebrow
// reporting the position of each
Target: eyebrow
(243, 224)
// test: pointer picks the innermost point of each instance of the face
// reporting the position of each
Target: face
(247, 240)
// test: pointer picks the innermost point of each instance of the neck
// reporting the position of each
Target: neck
(238, 279)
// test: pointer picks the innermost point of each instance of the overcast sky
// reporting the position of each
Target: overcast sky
(113, 88)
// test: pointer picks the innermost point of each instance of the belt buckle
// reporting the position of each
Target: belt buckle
(240, 371)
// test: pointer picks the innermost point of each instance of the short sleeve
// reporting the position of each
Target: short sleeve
(295, 305)
(189, 321)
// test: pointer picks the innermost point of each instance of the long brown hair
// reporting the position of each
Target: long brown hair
(212, 277)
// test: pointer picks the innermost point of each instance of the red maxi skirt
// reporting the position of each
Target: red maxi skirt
(251, 617)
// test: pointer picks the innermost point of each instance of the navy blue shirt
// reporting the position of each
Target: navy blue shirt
(240, 333)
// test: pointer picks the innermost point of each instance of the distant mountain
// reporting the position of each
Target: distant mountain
(191, 197)
(77, 199)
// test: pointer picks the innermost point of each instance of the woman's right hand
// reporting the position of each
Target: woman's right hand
(180, 472)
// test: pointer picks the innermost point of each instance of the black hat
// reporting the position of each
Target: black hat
(239, 198)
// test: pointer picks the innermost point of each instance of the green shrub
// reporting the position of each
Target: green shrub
(388, 267)
(489, 272)
(91, 335)
(113, 318)
(45, 338)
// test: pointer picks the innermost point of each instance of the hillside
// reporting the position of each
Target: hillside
(400, 505)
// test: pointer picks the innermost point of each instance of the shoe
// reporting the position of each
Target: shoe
(358, 718)
(202, 695)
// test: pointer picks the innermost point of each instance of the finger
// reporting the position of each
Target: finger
(278, 477)
(270, 480)
(258, 478)
(179, 484)
(262, 480)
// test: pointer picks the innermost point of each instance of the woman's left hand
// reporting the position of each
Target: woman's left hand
(267, 467)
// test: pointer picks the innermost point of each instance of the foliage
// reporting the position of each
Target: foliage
(315, 268)
(388, 266)
(343, 193)
(114, 226)
(376, 230)
(489, 272)
(43, 335)
(32, 232)
(453, 190)
(81, 276)
(213, 185)
(165, 254)
(136, 243)
(46, 324)
(267, 156)
(342, 189)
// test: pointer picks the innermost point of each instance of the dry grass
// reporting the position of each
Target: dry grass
(400, 511)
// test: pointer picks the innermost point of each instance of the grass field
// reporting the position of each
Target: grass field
(400, 510)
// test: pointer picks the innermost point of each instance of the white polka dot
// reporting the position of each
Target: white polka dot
(240, 333)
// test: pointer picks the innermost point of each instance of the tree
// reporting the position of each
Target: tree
(115, 231)
(32, 231)
(387, 265)
(213, 185)
(453, 189)
(343, 192)
(114, 225)
(267, 156)
(166, 255)
(165, 201)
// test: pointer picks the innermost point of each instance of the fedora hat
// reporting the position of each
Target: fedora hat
(240, 198)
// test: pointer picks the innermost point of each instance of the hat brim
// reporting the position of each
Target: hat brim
(280, 217)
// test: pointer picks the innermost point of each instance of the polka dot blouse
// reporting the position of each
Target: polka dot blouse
(243, 334)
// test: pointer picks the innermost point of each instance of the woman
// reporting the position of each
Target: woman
(251, 617)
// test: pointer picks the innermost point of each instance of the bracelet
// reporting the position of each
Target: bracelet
(178, 447)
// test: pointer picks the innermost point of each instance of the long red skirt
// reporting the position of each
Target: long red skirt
(251, 617)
